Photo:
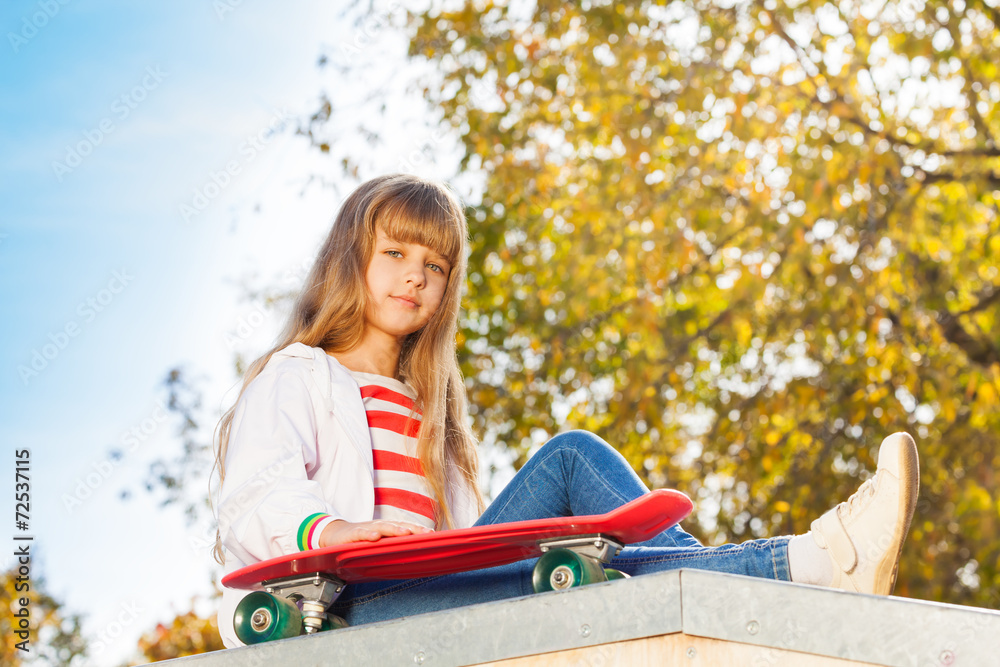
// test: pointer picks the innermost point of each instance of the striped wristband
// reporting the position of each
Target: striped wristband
(311, 529)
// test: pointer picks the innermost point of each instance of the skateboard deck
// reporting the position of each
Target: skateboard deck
(464, 549)
(301, 586)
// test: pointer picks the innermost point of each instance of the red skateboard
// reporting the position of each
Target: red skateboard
(573, 552)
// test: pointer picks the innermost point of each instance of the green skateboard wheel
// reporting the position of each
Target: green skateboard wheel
(560, 569)
(333, 622)
(613, 574)
(262, 617)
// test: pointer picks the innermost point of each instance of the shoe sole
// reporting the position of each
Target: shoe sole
(909, 480)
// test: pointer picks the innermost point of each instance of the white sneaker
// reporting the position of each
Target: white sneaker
(864, 536)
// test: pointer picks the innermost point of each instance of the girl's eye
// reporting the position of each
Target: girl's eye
(393, 253)
(435, 267)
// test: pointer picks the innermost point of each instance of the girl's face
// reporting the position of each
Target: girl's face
(407, 282)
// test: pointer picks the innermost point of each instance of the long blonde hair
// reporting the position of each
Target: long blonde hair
(330, 314)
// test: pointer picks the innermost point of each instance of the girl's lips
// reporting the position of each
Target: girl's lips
(406, 301)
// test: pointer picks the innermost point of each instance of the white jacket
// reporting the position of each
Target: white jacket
(299, 444)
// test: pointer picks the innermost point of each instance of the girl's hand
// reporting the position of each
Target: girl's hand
(342, 532)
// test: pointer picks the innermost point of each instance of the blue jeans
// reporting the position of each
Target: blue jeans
(573, 474)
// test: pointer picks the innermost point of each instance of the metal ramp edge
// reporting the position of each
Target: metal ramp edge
(695, 617)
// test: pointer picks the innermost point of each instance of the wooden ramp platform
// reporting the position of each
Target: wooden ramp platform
(686, 617)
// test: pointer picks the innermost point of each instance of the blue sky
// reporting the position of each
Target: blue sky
(113, 116)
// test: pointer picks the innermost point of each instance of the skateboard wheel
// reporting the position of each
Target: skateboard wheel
(262, 617)
(334, 622)
(612, 574)
(560, 569)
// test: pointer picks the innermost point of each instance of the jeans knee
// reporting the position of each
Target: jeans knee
(578, 442)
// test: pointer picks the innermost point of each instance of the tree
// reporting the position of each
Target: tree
(53, 636)
(742, 241)
(187, 634)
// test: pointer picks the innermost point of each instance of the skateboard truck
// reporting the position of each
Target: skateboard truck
(594, 546)
(274, 613)
(575, 561)
(316, 592)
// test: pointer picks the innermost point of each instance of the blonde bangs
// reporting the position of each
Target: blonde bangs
(425, 216)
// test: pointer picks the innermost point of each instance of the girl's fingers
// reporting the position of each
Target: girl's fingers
(391, 528)
(371, 531)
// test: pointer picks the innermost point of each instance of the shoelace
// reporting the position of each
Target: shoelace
(860, 497)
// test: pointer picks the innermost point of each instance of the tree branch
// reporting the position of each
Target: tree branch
(979, 351)
(991, 177)
(988, 296)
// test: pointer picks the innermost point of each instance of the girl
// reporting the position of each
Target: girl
(353, 427)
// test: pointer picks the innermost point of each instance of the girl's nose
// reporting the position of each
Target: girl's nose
(416, 275)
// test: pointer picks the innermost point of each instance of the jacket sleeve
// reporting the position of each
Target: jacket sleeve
(268, 503)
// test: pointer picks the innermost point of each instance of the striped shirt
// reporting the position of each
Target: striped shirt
(401, 489)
